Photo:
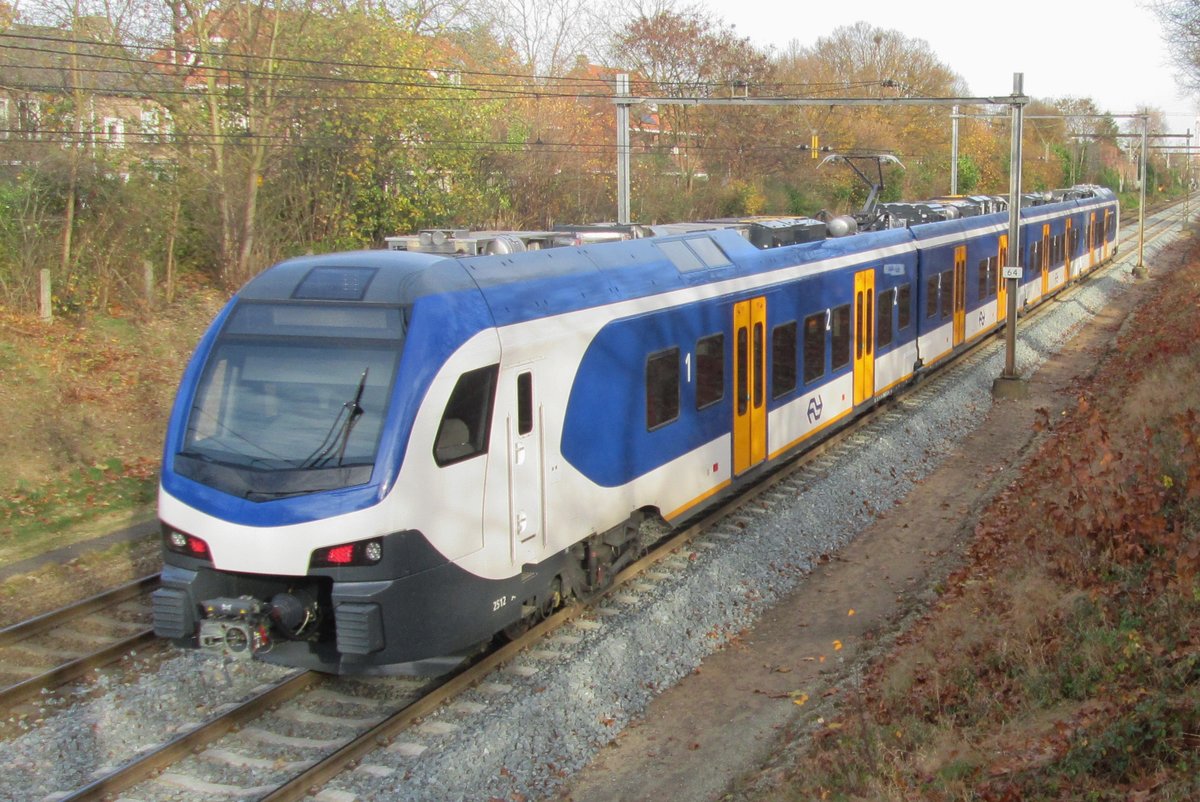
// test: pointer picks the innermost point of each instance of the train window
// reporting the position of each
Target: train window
(695, 254)
(883, 318)
(783, 359)
(662, 388)
(814, 347)
(760, 359)
(710, 370)
(840, 322)
(462, 433)
(931, 296)
(947, 292)
(709, 252)
(904, 307)
(525, 403)
(983, 279)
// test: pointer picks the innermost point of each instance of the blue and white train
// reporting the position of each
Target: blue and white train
(391, 456)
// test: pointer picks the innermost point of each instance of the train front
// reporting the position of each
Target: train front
(281, 448)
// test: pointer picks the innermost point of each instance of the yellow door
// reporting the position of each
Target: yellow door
(960, 294)
(1067, 250)
(1108, 222)
(750, 384)
(864, 335)
(1091, 241)
(1045, 257)
(1002, 283)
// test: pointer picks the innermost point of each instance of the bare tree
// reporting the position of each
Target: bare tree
(546, 35)
(1180, 20)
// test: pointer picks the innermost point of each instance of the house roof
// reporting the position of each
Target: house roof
(37, 59)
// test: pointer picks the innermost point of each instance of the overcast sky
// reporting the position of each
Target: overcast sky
(1064, 48)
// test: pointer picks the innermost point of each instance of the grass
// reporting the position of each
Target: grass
(87, 503)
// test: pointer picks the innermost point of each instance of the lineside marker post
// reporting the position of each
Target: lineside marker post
(1009, 384)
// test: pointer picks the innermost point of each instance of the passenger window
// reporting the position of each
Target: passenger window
(662, 388)
(947, 289)
(931, 296)
(883, 318)
(710, 370)
(984, 275)
(814, 347)
(462, 433)
(904, 302)
(783, 359)
(840, 322)
(525, 403)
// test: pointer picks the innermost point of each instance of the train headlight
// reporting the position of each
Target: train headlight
(187, 545)
(348, 555)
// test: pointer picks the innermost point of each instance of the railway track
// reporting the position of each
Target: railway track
(51, 650)
(254, 750)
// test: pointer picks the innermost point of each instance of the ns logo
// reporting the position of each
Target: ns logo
(815, 407)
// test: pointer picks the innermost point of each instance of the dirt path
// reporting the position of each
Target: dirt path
(718, 728)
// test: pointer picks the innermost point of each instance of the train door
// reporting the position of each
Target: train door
(523, 429)
(1107, 227)
(960, 294)
(1001, 283)
(1091, 240)
(1067, 250)
(864, 335)
(1044, 254)
(750, 384)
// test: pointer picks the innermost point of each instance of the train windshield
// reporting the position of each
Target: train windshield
(292, 399)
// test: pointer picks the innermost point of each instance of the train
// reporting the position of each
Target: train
(382, 460)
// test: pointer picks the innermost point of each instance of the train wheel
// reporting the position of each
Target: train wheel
(534, 611)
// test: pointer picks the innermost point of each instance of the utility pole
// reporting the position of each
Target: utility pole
(623, 179)
(1007, 383)
(1139, 269)
(954, 150)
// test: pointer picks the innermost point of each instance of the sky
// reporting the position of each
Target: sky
(1064, 48)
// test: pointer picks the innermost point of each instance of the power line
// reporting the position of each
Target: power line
(666, 87)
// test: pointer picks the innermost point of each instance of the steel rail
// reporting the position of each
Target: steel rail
(72, 670)
(154, 761)
(55, 618)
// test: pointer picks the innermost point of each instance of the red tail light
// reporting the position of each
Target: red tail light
(187, 545)
(348, 555)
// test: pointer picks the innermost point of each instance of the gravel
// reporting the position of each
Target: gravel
(544, 716)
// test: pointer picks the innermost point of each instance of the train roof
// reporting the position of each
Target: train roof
(599, 273)
(522, 285)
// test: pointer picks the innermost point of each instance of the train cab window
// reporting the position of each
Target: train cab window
(840, 325)
(783, 359)
(662, 388)
(931, 296)
(884, 302)
(903, 306)
(947, 292)
(710, 370)
(525, 403)
(462, 433)
(814, 347)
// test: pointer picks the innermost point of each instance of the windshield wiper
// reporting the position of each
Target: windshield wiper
(338, 435)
